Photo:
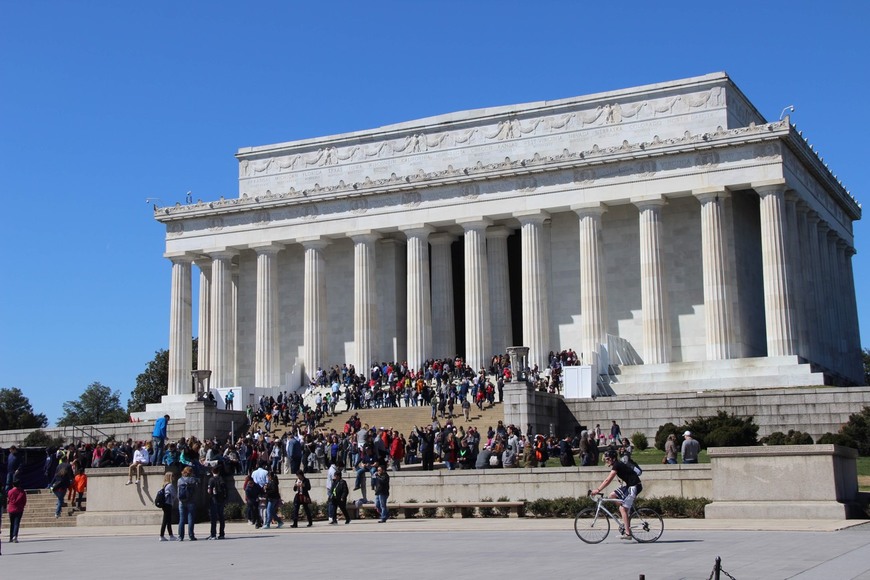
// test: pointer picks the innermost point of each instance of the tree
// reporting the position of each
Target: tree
(866, 357)
(152, 383)
(40, 438)
(97, 405)
(16, 412)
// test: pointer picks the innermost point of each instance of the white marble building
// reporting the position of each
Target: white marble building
(667, 226)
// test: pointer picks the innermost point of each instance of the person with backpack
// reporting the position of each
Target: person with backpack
(273, 500)
(187, 485)
(628, 492)
(217, 493)
(165, 500)
(252, 502)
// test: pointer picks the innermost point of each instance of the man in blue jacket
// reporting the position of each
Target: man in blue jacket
(158, 438)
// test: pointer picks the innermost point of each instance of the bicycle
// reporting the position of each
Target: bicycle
(592, 525)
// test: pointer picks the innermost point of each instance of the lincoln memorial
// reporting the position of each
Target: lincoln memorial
(669, 234)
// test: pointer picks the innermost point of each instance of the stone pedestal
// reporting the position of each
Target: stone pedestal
(783, 481)
(532, 411)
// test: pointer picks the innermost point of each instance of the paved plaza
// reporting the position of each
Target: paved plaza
(448, 548)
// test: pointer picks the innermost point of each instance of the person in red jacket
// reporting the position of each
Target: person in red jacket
(397, 450)
(16, 500)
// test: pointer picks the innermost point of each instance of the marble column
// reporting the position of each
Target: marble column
(853, 347)
(223, 331)
(180, 326)
(419, 297)
(203, 348)
(653, 292)
(817, 282)
(795, 277)
(778, 299)
(267, 344)
(443, 307)
(534, 283)
(804, 284)
(824, 273)
(392, 296)
(477, 315)
(593, 306)
(365, 314)
(499, 289)
(314, 297)
(837, 298)
(717, 310)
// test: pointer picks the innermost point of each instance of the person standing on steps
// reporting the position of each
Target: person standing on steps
(158, 439)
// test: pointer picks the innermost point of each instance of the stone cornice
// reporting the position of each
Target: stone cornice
(409, 184)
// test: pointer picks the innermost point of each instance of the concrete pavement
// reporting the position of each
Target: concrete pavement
(449, 548)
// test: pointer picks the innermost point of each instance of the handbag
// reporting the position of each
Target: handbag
(664, 459)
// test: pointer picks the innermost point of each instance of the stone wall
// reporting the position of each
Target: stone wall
(813, 410)
(110, 502)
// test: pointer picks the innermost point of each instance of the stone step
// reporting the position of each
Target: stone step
(640, 386)
(39, 511)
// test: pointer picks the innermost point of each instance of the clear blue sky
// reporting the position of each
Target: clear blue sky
(104, 104)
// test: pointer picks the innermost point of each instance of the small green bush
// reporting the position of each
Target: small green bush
(39, 438)
(663, 433)
(857, 429)
(486, 512)
(430, 512)
(502, 512)
(791, 438)
(639, 441)
(837, 439)
(724, 430)
(234, 511)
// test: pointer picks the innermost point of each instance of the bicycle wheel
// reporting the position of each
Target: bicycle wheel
(591, 528)
(646, 525)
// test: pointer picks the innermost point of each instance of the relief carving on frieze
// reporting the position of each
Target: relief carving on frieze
(470, 190)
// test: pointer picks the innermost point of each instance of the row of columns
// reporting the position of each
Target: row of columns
(795, 301)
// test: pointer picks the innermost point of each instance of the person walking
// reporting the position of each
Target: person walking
(671, 450)
(302, 487)
(16, 499)
(13, 462)
(273, 500)
(690, 449)
(381, 485)
(338, 499)
(61, 482)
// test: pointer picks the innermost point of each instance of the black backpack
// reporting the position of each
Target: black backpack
(220, 489)
(160, 498)
(186, 489)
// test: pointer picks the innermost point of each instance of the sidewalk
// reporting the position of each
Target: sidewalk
(238, 529)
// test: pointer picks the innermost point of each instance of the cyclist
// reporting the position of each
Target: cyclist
(627, 493)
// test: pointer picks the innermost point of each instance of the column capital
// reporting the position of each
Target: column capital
(439, 238)
(774, 186)
(221, 253)
(417, 230)
(532, 216)
(708, 194)
(649, 202)
(498, 232)
(313, 243)
(268, 248)
(363, 236)
(475, 223)
(180, 257)
(594, 209)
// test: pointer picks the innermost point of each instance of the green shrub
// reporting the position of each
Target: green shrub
(502, 512)
(486, 512)
(234, 511)
(466, 512)
(791, 438)
(39, 438)
(663, 433)
(430, 512)
(857, 429)
(639, 441)
(837, 439)
(724, 430)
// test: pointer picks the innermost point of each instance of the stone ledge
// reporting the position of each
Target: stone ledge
(786, 510)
